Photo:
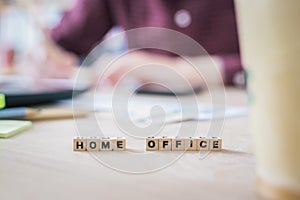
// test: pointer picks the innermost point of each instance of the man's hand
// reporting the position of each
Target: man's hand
(168, 71)
(48, 61)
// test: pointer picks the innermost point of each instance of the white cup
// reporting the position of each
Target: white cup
(269, 32)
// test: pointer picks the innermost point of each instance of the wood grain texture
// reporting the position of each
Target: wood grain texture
(203, 144)
(178, 144)
(151, 144)
(93, 143)
(79, 143)
(40, 164)
(165, 143)
(215, 144)
(190, 144)
(118, 143)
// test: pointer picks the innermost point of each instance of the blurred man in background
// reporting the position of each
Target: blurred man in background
(211, 23)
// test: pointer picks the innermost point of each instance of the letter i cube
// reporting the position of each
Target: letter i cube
(190, 144)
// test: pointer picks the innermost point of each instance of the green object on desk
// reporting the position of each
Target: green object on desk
(9, 128)
(2, 101)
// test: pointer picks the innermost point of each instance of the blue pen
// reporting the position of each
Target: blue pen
(17, 113)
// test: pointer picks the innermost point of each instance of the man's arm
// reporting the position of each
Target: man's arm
(231, 65)
(83, 26)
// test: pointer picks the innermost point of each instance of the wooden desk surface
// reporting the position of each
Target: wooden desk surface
(40, 164)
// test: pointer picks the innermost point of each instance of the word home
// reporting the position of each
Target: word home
(99, 143)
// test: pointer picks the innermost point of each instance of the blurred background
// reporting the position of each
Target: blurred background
(22, 25)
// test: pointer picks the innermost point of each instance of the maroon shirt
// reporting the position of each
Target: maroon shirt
(212, 24)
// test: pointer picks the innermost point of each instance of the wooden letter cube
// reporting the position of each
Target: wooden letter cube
(93, 143)
(79, 144)
(151, 144)
(190, 144)
(215, 144)
(118, 143)
(203, 144)
(165, 144)
(105, 144)
(178, 144)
